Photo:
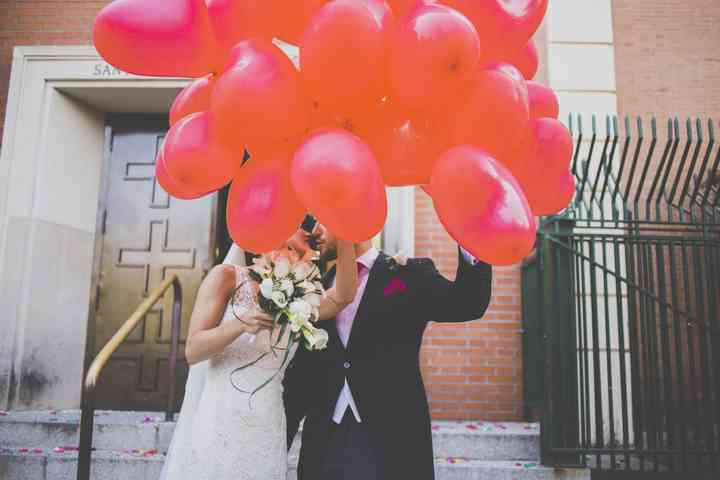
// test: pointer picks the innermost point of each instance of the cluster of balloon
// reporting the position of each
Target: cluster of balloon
(437, 93)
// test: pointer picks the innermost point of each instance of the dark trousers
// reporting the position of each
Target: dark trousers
(349, 455)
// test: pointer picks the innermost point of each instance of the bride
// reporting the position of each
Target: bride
(223, 433)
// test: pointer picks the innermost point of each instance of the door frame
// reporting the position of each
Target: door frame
(103, 206)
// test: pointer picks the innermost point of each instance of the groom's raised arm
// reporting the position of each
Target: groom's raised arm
(465, 299)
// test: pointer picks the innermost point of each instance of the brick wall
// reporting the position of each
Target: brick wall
(471, 370)
(667, 57)
(37, 22)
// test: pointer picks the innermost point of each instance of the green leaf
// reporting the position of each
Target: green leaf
(255, 276)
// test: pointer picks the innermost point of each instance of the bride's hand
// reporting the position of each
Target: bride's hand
(254, 320)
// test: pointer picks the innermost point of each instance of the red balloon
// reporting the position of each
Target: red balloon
(292, 18)
(551, 145)
(495, 117)
(192, 160)
(236, 20)
(433, 57)
(504, 25)
(543, 101)
(343, 53)
(548, 150)
(172, 187)
(194, 98)
(257, 100)
(402, 7)
(481, 205)
(161, 38)
(526, 60)
(338, 179)
(263, 210)
(363, 121)
(406, 146)
(549, 194)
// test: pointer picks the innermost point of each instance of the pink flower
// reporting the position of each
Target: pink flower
(396, 285)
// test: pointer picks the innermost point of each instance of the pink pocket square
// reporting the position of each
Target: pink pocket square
(396, 285)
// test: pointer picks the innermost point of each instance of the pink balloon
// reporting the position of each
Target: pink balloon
(495, 117)
(526, 60)
(481, 205)
(172, 187)
(343, 53)
(263, 210)
(160, 38)
(434, 54)
(543, 101)
(337, 177)
(192, 99)
(504, 25)
(257, 100)
(192, 160)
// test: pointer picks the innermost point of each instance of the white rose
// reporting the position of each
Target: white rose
(279, 298)
(261, 266)
(287, 287)
(301, 309)
(297, 322)
(321, 339)
(301, 270)
(266, 288)
(282, 267)
(316, 338)
(313, 299)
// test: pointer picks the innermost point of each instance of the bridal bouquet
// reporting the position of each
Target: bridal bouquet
(290, 291)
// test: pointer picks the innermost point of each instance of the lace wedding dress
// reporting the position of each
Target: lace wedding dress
(223, 433)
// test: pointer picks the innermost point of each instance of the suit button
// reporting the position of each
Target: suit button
(346, 365)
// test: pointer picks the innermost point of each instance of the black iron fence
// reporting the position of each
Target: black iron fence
(626, 290)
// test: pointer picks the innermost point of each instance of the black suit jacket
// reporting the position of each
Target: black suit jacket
(382, 366)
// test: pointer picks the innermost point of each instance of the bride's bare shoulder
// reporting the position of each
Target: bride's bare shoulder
(222, 277)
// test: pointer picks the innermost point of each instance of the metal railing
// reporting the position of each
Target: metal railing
(87, 418)
(625, 304)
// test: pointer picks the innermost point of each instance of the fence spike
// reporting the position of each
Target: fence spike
(693, 163)
(636, 156)
(660, 167)
(683, 160)
(623, 158)
(647, 163)
(662, 192)
(705, 163)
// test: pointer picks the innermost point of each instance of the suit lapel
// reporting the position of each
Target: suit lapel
(330, 325)
(377, 279)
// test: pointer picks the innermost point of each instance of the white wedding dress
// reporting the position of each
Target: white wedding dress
(223, 433)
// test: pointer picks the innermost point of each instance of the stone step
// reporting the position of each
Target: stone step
(37, 464)
(146, 430)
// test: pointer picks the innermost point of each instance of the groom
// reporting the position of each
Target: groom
(363, 399)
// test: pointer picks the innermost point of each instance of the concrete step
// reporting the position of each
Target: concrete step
(146, 430)
(38, 464)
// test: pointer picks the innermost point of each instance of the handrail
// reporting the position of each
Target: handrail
(87, 419)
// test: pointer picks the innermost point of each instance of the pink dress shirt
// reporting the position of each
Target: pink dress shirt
(344, 322)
